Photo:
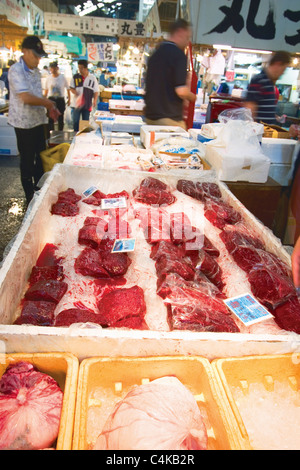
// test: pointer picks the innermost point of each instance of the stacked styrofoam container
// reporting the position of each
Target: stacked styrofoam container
(8, 141)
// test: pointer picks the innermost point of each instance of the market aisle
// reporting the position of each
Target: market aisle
(12, 201)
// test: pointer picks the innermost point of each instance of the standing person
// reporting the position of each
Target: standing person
(166, 79)
(55, 87)
(27, 112)
(261, 96)
(85, 87)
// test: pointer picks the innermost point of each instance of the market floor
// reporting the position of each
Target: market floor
(12, 200)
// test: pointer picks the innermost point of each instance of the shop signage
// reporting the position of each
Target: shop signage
(23, 13)
(258, 24)
(100, 51)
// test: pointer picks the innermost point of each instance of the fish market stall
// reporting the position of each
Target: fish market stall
(162, 323)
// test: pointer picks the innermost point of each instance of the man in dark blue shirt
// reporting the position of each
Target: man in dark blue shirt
(166, 79)
(261, 96)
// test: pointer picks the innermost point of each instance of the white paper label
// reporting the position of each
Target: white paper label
(248, 309)
(123, 245)
(113, 203)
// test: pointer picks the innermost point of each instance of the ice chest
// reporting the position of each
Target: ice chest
(117, 376)
(151, 134)
(62, 367)
(241, 372)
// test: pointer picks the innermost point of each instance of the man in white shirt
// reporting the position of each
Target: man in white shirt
(55, 88)
(27, 112)
(85, 87)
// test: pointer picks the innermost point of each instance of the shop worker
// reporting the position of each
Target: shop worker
(27, 112)
(56, 87)
(166, 79)
(85, 87)
(261, 95)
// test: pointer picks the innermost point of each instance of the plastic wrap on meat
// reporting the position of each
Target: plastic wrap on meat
(167, 249)
(160, 415)
(153, 191)
(118, 195)
(165, 265)
(200, 319)
(38, 313)
(158, 230)
(89, 263)
(65, 209)
(287, 315)
(181, 228)
(189, 188)
(270, 288)
(75, 315)
(49, 291)
(198, 190)
(239, 235)
(30, 408)
(209, 190)
(45, 273)
(210, 268)
(201, 283)
(219, 213)
(121, 307)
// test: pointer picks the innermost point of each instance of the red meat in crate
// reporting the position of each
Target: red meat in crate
(239, 235)
(69, 196)
(287, 315)
(209, 190)
(38, 313)
(65, 209)
(168, 249)
(49, 291)
(210, 268)
(219, 213)
(270, 288)
(92, 234)
(116, 264)
(95, 198)
(189, 188)
(118, 228)
(153, 191)
(75, 315)
(122, 307)
(200, 319)
(165, 265)
(181, 228)
(45, 273)
(89, 263)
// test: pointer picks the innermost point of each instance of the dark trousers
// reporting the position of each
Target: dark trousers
(61, 106)
(30, 143)
(85, 115)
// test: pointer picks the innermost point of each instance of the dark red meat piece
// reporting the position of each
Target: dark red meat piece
(153, 191)
(209, 190)
(118, 195)
(168, 249)
(210, 268)
(270, 288)
(122, 305)
(153, 183)
(75, 315)
(209, 247)
(181, 228)
(219, 213)
(89, 263)
(287, 315)
(65, 209)
(189, 188)
(38, 313)
(69, 196)
(91, 235)
(238, 235)
(95, 198)
(118, 228)
(200, 319)
(47, 256)
(106, 244)
(45, 273)
(116, 264)
(165, 265)
(49, 291)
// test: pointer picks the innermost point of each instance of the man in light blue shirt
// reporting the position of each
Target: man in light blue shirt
(27, 112)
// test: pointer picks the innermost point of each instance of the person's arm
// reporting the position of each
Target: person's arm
(185, 94)
(253, 108)
(46, 93)
(95, 99)
(33, 100)
(296, 263)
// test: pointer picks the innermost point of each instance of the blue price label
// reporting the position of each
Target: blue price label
(248, 309)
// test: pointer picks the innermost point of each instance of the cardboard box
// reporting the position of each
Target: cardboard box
(62, 367)
(275, 132)
(117, 376)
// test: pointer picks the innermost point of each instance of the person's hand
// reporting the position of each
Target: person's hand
(294, 131)
(68, 102)
(296, 263)
(49, 104)
(54, 113)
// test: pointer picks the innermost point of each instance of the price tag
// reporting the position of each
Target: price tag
(248, 309)
(114, 203)
(91, 190)
(123, 246)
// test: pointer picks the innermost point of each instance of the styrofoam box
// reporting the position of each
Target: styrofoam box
(94, 341)
(279, 150)
(150, 134)
(241, 168)
(62, 367)
(115, 377)
(8, 145)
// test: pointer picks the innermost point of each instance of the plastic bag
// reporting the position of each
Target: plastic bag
(241, 114)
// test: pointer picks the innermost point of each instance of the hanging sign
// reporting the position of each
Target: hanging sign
(100, 51)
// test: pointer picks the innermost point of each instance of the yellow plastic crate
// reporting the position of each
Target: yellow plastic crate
(241, 372)
(62, 367)
(116, 376)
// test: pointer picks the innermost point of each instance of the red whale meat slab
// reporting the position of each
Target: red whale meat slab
(95, 198)
(69, 196)
(168, 249)
(181, 228)
(270, 288)
(239, 235)
(210, 268)
(200, 319)
(75, 315)
(165, 265)
(38, 313)
(49, 291)
(89, 263)
(199, 191)
(45, 273)
(122, 307)
(92, 233)
(153, 191)
(30, 408)
(220, 213)
(116, 264)
(66, 204)
(287, 315)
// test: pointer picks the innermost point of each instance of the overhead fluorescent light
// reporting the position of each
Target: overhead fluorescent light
(225, 47)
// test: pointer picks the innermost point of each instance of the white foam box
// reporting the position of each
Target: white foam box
(151, 134)
(279, 150)
(38, 229)
(127, 104)
(8, 145)
(238, 168)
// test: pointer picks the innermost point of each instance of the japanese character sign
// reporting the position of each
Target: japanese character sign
(100, 51)
(132, 28)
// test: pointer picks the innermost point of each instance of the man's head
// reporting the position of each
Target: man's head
(53, 68)
(33, 51)
(277, 64)
(83, 67)
(180, 32)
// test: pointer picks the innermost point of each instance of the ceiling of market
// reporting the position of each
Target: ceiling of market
(124, 9)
